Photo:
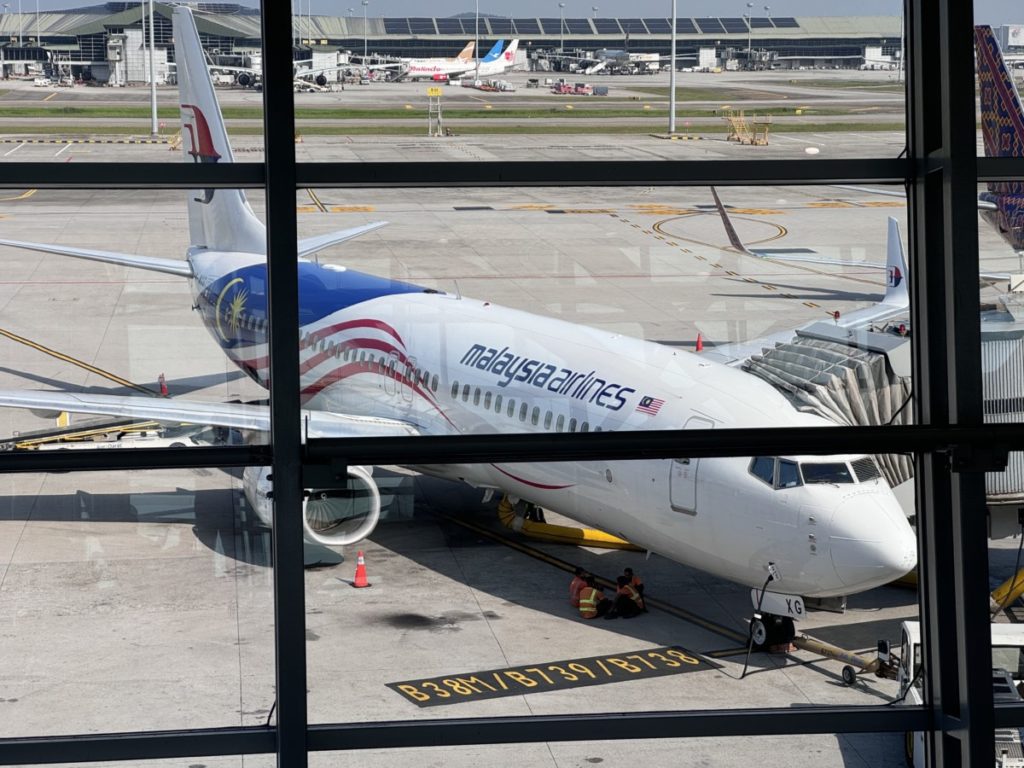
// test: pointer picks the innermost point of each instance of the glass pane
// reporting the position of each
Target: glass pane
(473, 608)
(829, 750)
(571, 88)
(130, 316)
(126, 594)
(86, 94)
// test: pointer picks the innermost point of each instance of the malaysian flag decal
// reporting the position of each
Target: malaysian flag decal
(650, 405)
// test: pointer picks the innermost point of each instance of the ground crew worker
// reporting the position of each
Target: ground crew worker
(628, 602)
(637, 584)
(593, 603)
(579, 581)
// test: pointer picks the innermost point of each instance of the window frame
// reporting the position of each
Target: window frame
(941, 173)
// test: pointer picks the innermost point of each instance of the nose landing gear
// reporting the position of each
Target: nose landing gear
(772, 633)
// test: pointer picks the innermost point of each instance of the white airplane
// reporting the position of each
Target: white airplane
(499, 64)
(417, 69)
(381, 357)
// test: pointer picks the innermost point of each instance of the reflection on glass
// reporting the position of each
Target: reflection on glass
(475, 610)
(133, 601)
(772, 752)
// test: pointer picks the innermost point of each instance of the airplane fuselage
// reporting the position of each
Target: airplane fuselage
(453, 365)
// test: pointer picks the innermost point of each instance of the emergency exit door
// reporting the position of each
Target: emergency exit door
(682, 484)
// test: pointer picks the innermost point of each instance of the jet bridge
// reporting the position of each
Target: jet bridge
(854, 378)
(862, 377)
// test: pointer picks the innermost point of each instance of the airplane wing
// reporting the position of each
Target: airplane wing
(237, 415)
(170, 266)
(895, 303)
(310, 245)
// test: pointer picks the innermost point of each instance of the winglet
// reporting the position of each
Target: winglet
(730, 230)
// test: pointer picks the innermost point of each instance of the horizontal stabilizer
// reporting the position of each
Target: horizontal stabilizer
(175, 411)
(169, 266)
(310, 245)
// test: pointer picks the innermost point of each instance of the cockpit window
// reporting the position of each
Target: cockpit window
(865, 469)
(763, 468)
(789, 475)
(832, 472)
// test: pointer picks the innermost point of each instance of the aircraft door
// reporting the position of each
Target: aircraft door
(682, 485)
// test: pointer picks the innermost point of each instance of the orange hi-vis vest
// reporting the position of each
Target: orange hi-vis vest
(627, 589)
(636, 581)
(589, 598)
(575, 586)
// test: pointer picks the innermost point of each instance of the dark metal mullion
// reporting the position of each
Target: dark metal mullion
(461, 174)
(1000, 168)
(966, 445)
(467, 731)
(172, 175)
(611, 173)
(283, 299)
(947, 381)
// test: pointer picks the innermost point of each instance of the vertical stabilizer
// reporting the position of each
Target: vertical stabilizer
(467, 53)
(1002, 127)
(495, 52)
(219, 219)
(510, 53)
(896, 268)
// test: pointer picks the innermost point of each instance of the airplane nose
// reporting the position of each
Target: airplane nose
(871, 542)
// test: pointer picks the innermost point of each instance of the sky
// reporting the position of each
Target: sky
(986, 11)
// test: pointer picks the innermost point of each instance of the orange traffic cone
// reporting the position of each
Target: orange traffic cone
(700, 343)
(360, 580)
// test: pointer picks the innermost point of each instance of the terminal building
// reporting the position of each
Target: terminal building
(105, 42)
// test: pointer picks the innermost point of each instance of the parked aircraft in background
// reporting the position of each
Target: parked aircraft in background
(384, 357)
(499, 64)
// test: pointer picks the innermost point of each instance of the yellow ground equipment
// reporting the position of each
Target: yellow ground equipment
(559, 534)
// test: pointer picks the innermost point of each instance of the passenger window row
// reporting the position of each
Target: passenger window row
(488, 401)
(382, 363)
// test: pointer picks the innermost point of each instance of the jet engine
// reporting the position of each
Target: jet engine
(333, 517)
(320, 80)
(244, 79)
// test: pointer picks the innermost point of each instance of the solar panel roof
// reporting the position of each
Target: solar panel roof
(684, 25)
(633, 26)
(578, 26)
(526, 26)
(709, 25)
(734, 25)
(422, 26)
(760, 23)
(396, 26)
(551, 26)
(607, 27)
(450, 27)
(786, 22)
(658, 26)
(501, 26)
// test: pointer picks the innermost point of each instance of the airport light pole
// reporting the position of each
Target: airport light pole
(365, 3)
(21, 25)
(672, 77)
(768, 11)
(476, 40)
(154, 127)
(750, 7)
(561, 27)
(594, 9)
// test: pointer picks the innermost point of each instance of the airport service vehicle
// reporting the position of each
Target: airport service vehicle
(1007, 674)
(383, 357)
